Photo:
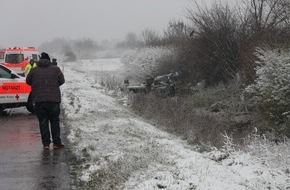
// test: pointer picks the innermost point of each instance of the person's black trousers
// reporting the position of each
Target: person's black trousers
(48, 113)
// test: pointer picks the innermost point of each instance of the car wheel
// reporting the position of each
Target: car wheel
(30, 104)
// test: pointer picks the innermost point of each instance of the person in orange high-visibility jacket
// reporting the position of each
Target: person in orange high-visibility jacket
(29, 66)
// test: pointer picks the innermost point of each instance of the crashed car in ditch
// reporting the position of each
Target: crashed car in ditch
(144, 87)
(165, 85)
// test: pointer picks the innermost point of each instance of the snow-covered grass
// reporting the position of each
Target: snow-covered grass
(276, 155)
(119, 150)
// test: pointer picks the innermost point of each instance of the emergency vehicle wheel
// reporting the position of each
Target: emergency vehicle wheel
(30, 105)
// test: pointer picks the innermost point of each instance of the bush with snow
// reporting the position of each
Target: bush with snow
(142, 64)
(271, 90)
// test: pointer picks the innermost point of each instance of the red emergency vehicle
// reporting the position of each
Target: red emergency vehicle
(17, 58)
(14, 92)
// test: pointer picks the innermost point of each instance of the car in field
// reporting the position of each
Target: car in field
(14, 92)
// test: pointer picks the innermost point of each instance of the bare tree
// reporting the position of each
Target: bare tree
(264, 23)
(176, 32)
(131, 40)
(150, 37)
(226, 37)
(214, 48)
(268, 14)
(85, 48)
(176, 28)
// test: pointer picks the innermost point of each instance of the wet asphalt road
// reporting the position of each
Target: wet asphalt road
(24, 165)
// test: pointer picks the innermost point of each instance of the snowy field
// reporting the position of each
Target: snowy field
(120, 150)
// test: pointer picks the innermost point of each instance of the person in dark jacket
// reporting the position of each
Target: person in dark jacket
(45, 81)
(54, 61)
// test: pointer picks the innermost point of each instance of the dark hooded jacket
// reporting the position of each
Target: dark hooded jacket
(45, 80)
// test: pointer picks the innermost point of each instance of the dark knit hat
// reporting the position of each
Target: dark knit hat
(44, 56)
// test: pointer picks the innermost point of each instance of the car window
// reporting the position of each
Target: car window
(14, 58)
(35, 57)
(4, 73)
(1, 55)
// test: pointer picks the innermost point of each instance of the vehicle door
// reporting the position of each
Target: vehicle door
(13, 88)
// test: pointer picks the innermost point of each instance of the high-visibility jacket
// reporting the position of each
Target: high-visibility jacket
(29, 67)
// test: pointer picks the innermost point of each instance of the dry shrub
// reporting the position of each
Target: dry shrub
(175, 115)
(274, 154)
(229, 94)
(201, 118)
(109, 79)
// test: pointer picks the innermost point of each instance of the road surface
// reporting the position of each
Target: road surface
(23, 162)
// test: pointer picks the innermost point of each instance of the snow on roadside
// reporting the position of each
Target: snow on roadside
(103, 131)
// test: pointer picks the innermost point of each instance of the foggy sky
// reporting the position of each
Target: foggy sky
(32, 22)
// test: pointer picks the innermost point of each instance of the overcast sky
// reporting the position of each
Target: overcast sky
(31, 22)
